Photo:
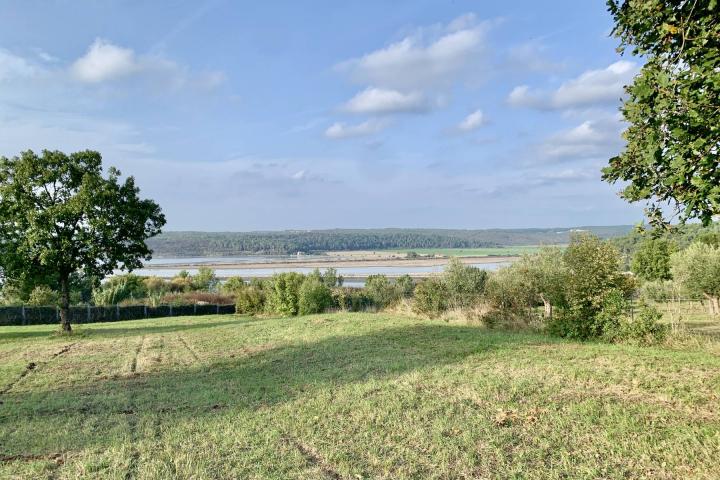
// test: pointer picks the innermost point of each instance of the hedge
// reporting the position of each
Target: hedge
(26, 315)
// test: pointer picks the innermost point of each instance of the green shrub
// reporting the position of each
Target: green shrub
(594, 282)
(651, 260)
(405, 285)
(120, 288)
(250, 300)
(431, 297)
(351, 299)
(205, 280)
(465, 284)
(314, 297)
(284, 293)
(381, 292)
(43, 296)
(233, 285)
(644, 329)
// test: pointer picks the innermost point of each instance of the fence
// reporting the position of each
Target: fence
(26, 315)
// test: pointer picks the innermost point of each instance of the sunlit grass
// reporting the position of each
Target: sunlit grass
(348, 396)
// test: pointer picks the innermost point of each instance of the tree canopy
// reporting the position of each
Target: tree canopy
(60, 216)
(673, 108)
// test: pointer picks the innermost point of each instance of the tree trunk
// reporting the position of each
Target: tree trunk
(713, 304)
(548, 307)
(65, 303)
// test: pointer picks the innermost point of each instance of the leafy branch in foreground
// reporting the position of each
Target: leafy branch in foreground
(673, 108)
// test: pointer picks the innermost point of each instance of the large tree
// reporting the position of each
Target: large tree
(673, 108)
(59, 215)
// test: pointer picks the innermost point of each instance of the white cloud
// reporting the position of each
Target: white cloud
(424, 59)
(105, 61)
(379, 100)
(475, 120)
(592, 138)
(590, 88)
(341, 130)
(14, 67)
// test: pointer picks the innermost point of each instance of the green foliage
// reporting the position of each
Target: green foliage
(59, 216)
(643, 329)
(660, 291)
(594, 281)
(405, 285)
(465, 284)
(652, 259)
(250, 300)
(205, 280)
(43, 295)
(331, 279)
(314, 297)
(381, 291)
(233, 285)
(672, 150)
(290, 242)
(697, 270)
(284, 293)
(351, 299)
(431, 297)
(120, 288)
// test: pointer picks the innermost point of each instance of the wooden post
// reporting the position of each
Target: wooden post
(117, 312)
(194, 308)
(89, 315)
(170, 311)
(145, 310)
(24, 316)
(217, 309)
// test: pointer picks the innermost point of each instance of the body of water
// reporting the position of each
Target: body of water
(353, 273)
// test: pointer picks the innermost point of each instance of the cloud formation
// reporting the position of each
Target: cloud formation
(340, 130)
(104, 61)
(473, 121)
(428, 58)
(381, 101)
(593, 87)
(590, 139)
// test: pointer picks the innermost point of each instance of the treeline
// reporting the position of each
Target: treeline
(199, 244)
(680, 236)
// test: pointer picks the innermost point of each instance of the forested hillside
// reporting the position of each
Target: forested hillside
(189, 244)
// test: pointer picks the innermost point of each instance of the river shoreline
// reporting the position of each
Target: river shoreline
(337, 263)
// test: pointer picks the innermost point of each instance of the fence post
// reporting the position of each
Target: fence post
(24, 316)
(117, 312)
(194, 308)
(217, 309)
(89, 315)
(145, 310)
(170, 310)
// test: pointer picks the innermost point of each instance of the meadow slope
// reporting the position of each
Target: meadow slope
(348, 396)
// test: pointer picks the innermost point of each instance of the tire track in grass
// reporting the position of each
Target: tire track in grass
(313, 457)
(189, 349)
(133, 418)
(33, 366)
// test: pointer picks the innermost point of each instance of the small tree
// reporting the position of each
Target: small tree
(431, 297)
(652, 259)
(205, 280)
(545, 277)
(59, 215)
(284, 292)
(314, 297)
(43, 295)
(593, 277)
(465, 284)
(697, 270)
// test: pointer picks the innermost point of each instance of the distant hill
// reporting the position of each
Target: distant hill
(204, 244)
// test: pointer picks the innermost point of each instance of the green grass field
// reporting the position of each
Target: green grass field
(349, 396)
(474, 252)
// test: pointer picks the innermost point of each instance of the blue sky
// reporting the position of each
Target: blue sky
(285, 115)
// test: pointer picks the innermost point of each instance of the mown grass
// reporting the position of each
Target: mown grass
(474, 252)
(348, 396)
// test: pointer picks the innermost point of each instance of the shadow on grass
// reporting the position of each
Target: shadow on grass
(262, 377)
(128, 327)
